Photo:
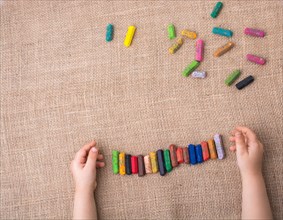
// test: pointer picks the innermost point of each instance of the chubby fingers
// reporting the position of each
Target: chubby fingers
(233, 148)
(100, 162)
(251, 136)
(232, 139)
(240, 140)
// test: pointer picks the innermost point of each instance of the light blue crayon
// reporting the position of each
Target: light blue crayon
(222, 32)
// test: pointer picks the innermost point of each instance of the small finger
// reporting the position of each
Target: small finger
(100, 164)
(232, 139)
(100, 157)
(233, 148)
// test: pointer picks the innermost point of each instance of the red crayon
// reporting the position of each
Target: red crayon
(205, 152)
(180, 157)
(134, 162)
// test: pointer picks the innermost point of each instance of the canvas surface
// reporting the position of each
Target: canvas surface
(62, 85)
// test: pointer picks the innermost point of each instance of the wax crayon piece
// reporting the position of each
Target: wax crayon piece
(205, 152)
(242, 84)
(256, 59)
(212, 150)
(122, 167)
(232, 77)
(254, 32)
(176, 46)
(161, 164)
(109, 32)
(186, 155)
(199, 50)
(222, 32)
(115, 161)
(199, 153)
(219, 146)
(134, 163)
(224, 49)
(171, 31)
(167, 160)
(190, 68)
(192, 152)
(128, 164)
(129, 36)
(141, 166)
(216, 10)
(154, 163)
(189, 34)
(173, 155)
(147, 164)
(180, 157)
(199, 74)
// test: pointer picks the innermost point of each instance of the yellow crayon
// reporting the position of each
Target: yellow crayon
(129, 36)
(189, 34)
(176, 46)
(153, 160)
(122, 166)
(212, 150)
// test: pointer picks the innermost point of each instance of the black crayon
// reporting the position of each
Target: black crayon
(128, 164)
(161, 164)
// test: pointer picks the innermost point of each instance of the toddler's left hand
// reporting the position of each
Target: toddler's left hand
(84, 165)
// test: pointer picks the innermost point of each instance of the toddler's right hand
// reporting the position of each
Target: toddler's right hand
(249, 151)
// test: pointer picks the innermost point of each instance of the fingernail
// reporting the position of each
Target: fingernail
(94, 149)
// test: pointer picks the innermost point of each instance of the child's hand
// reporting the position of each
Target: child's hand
(249, 151)
(84, 165)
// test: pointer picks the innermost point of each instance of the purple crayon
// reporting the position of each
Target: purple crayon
(219, 146)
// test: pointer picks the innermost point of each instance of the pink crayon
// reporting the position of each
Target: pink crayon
(256, 59)
(199, 50)
(254, 32)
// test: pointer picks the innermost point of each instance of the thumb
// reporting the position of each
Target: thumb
(91, 159)
(241, 147)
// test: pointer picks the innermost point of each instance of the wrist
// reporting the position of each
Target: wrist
(85, 190)
(251, 176)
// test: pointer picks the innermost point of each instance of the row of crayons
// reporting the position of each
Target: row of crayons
(165, 160)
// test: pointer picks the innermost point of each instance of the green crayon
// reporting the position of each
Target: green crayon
(115, 161)
(216, 9)
(232, 77)
(167, 160)
(171, 31)
(190, 68)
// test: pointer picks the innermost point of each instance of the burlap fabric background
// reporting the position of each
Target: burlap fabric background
(62, 85)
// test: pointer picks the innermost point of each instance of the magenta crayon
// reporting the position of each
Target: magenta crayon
(256, 59)
(254, 32)
(199, 50)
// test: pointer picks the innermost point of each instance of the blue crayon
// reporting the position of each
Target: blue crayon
(222, 32)
(109, 32)
(192, 152)
(199, 153)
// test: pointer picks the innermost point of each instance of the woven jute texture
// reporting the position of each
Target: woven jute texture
(62, 85)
